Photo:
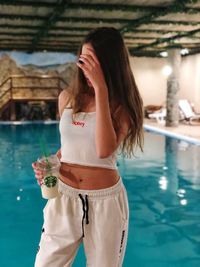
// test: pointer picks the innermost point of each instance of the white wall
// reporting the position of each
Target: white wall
(152, 83)
(190, 80)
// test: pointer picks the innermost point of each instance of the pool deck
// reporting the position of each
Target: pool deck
(188, 131)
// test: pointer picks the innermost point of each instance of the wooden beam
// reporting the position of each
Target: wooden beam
(176, 7)
(168, 40)
(84, 6)
(53, 19)
(94, 6)
(65, 49)
(58, 10)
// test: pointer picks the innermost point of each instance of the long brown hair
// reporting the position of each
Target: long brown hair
(113, 57)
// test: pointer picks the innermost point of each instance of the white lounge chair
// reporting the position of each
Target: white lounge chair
(160, 115)
(190, 116)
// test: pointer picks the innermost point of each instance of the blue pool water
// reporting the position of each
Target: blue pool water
(163, 186)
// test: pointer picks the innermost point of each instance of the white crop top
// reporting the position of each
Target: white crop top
(78, 140)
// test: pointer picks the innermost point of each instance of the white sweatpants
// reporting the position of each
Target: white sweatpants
(98, 218)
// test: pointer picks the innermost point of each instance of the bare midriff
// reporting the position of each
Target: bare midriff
(87, 177)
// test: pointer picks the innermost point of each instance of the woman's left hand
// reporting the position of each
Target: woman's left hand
(92, 70)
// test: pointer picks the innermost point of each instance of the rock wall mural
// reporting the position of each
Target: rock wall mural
(43, 88)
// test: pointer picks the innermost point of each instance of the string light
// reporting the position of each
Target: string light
(184, 51)
(164, 54)
(167, 70)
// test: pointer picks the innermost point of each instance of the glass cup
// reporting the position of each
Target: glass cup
(50, 167)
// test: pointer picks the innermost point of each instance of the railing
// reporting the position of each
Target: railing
(34, 88)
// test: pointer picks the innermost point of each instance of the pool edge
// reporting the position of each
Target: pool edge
(147, 127)
(172, 134)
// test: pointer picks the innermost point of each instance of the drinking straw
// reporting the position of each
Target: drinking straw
(44, 150)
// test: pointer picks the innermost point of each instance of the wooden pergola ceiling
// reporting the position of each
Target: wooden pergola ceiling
(149, 27)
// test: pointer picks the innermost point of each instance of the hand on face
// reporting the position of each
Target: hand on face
(91, 68)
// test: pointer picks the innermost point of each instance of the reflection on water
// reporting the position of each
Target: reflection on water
(163, 190)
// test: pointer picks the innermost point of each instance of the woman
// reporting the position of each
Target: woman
(100, 112)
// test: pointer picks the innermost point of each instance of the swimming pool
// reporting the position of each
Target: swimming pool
(163, 186)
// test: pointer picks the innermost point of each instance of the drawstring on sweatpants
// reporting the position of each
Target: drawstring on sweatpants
(85, 211)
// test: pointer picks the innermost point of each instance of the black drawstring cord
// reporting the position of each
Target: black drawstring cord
(87, 208)
(84, 210)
